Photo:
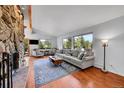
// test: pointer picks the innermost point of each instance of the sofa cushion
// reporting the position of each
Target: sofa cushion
(54, 50)
(59, 51)
(76, 60)
(89, 58)
(39, 53)
(67, 52)
(64, 51)
(66, 57)
(50, 51)
(75, 53)
(88, 52)
(80, 55)
(72, 59)
(59, 55)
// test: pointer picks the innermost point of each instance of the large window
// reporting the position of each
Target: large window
(45, 44)
(67, 43)
(83, 41)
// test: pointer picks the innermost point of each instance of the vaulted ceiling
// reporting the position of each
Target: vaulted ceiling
(60, 19)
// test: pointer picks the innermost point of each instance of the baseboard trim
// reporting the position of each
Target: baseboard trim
(98, 66)
(112, 71)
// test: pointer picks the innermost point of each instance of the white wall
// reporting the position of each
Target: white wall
(59, 42)
(112, 30)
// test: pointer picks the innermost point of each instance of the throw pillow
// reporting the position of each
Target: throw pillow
(59, 51)
(75, 53)
(68, 52)
(88, 52)
(80, 55)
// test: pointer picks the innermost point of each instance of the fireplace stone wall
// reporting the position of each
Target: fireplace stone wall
(11, 28)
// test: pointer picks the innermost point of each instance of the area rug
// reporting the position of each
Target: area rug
(20, 77)
(45, 71)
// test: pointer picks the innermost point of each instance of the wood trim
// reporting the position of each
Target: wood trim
(30, 80)
(30, 17)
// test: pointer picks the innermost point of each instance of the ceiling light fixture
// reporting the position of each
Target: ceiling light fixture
(23, 8)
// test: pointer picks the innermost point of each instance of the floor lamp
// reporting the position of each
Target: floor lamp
(104, 44)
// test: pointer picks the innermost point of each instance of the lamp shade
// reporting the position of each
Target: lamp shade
(104, 42)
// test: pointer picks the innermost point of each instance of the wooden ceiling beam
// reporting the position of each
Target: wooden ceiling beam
(30, 17)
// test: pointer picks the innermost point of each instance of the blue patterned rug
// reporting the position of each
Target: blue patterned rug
(45, 71)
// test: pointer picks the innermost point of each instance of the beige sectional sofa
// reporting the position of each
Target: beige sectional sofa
(73, 57)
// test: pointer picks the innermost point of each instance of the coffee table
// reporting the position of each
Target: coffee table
(55, 60)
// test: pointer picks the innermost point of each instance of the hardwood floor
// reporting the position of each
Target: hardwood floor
(30, 80)
(89, 78)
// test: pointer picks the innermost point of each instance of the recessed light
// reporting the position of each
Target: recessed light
(23, 8)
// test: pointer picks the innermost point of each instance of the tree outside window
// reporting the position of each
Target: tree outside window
(67, 43)
(83, 41)
(26, 44)
(45, 44)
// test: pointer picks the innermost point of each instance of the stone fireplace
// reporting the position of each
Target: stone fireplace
(11, 28)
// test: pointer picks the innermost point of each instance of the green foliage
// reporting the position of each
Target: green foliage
(88, 44)
(45, 45)
(26, 44)
(79, 42)
(67, 44)
(41, 45)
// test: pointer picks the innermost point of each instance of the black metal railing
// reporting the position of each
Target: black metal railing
(6, 67)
